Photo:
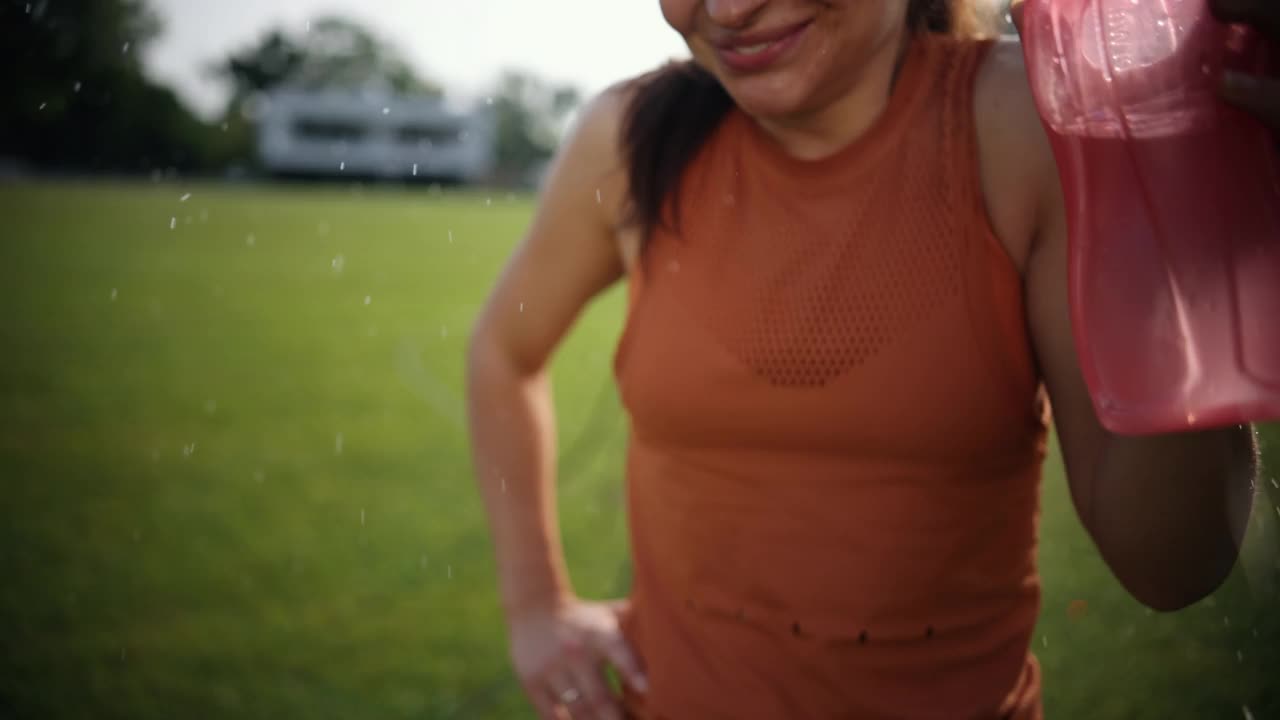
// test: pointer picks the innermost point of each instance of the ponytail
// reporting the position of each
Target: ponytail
(672, 113)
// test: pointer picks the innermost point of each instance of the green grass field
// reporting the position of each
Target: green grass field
(235, 478)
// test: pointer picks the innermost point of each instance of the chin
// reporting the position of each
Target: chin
(789, 89)
(763, 105)
(777, 97)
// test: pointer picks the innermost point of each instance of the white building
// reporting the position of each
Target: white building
(333, 133)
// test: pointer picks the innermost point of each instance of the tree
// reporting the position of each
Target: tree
(333, 53)
(81, 100)
(528, 116)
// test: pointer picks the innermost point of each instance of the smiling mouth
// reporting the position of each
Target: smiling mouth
(754, 49)
(759, 51)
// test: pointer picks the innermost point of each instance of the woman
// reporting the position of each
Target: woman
(844, 238)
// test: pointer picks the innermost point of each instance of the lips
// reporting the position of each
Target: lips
(754, 52)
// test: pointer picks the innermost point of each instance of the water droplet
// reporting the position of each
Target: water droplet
(259, 476)
(599, 199)
(204, 215)
(488, 201)
(450, 237)
(1239, 656)
(224, 127)
(368, 299)
(173, 223)
(1275, 484)
(211, 406)
(504, 485)
(338, 263)
(487, 101)
(124, 48)
(522, 310)
(337, 444)
(1161, 23)
(342, 165)
(185, 197)
(415, 169)
(422, 561)
(1226, 621)
(450, 571)
(43, 105)
(386, 111)
(188, 451)
(444, 332)
(76, 87)
(1247, 715)
(28, 8)
(361, 517)
(114, 293)
(250, 240)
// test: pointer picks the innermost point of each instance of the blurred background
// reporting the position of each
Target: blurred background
(242, 246)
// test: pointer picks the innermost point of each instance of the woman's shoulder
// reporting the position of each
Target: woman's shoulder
(1005, 108)
(600, 123)
(1018, 172)
(638, 129)
(591, 158)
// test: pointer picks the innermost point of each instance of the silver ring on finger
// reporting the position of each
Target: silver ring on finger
(570, 696)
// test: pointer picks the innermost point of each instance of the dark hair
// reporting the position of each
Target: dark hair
(673, 111)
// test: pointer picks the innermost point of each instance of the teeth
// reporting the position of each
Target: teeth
(753, 49)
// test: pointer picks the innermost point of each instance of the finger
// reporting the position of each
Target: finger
(620, 655)
(1015, 13)
(545, 703)
(597, 701)
(1259, 96)
(566, 693)
(1261, 14)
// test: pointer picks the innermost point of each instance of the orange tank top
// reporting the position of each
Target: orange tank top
(836, 428)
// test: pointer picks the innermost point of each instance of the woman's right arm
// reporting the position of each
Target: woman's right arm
(568, 256)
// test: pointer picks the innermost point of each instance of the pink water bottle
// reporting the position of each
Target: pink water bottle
(1173, 203)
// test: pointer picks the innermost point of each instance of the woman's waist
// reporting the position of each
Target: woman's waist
(884, 595)
(828, 665)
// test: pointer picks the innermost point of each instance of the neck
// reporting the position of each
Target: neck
(826, 129)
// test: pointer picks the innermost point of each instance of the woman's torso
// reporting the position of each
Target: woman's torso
(837, 431)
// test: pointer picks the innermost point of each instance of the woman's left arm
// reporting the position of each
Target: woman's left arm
(1167, 512)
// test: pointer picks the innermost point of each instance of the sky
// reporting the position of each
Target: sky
(462, 44)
